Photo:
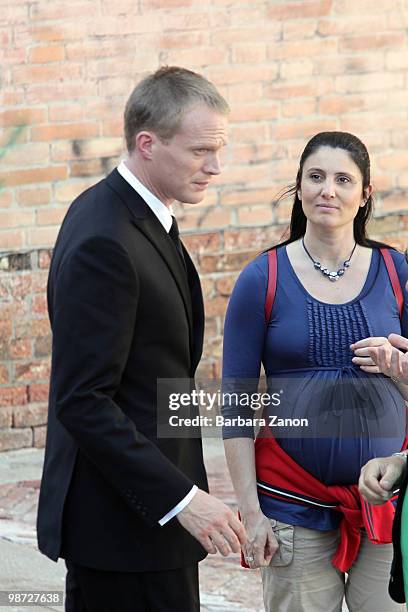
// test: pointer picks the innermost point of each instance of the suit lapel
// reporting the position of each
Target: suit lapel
(198, 310)
(147, 223)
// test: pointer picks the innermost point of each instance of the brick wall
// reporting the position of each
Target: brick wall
(288, 69)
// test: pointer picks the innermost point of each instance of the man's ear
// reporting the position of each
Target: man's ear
(144, 144)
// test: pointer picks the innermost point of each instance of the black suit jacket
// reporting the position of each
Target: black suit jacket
(122, 315)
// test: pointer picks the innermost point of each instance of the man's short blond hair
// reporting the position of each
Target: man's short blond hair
(158, 102)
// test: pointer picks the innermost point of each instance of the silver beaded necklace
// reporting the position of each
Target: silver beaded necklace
(332, 276)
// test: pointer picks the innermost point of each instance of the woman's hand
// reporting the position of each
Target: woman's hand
(261, 543)
(379, 354)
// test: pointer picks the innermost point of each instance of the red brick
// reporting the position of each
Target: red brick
(39, 304)
(44, 259)
(254, 112)
(132, 24)
(396, 201)
(14, 178)
(302, 129)
(202, 243)
(42, 237)
(112, 128)
(15, 218)
(64, 30)
(299, 30)
(246, 239)
(45, 73)
(69, 190)
(226, 284)
(38, 392)
(4, 375)
(64, 131)
(21, 284)
(87, 167)
(244, 93)
(42, 346)
(266, 31)
(373, 41)
(216, 307)
(47, 93)
(39, 436)
(39, 281)
(344, 25)
(13, 396)
(49, 53)
(197, 57)
(238, 74)
(65, 112)
(106, 67)
(299, 10)
(254, 215)
(6, 332)
(208, 288)
(183, 40)
(21, 348)
(336, 105)
(6, 198)
(299, 108)
(393, 161)
(22, 116)
(12, 439)
(51, 216)
(6, 418)
(33, 328)
(50, 11)
(365, 7)
(228, 262)
(369, 82)
(34, 196)
(32, 371)
(30, 415)
(368, 121)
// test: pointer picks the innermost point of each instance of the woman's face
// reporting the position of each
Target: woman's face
(331, 188)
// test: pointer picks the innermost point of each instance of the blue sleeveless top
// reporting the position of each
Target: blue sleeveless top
(305, 351)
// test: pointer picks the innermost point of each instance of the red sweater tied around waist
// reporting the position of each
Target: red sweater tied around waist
(279, 476)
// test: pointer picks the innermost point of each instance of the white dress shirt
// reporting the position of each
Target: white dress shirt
(164, 215)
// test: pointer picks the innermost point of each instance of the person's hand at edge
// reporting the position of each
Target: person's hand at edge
(380, 477)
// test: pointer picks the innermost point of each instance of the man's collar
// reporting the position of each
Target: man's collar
(162, 212)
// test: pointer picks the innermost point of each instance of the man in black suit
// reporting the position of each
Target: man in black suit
(129, 511)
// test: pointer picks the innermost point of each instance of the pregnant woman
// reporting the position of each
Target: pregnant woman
(324, 289)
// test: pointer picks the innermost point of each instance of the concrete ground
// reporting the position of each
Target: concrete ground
(224, 585)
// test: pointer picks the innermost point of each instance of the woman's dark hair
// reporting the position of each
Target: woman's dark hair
(359, 154)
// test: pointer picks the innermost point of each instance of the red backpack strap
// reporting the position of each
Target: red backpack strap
(392, 273)
(271, 289)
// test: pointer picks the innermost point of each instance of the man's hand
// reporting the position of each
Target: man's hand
(379, 477)
(213, 524)
(261, 543)
(383, 355)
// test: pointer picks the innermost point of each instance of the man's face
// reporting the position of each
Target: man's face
(183, 166)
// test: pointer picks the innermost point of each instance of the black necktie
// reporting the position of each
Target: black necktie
(175, 236)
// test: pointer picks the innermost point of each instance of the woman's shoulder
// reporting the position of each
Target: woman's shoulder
(400, 262)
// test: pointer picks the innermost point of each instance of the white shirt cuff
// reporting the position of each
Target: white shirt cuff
(180, 506)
